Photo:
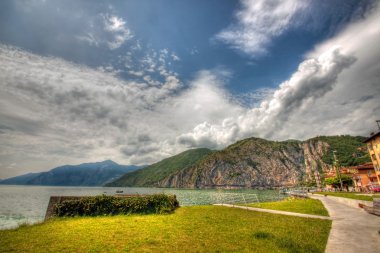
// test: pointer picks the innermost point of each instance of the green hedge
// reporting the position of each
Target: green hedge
(110, 205)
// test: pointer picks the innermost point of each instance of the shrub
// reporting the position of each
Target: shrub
(110, 205)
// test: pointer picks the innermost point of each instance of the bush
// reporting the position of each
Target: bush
(110, 205)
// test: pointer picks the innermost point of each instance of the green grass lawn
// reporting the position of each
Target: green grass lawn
(189, 229)
(349, 195)
(296, 205)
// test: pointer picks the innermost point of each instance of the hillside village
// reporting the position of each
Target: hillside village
(364, 177)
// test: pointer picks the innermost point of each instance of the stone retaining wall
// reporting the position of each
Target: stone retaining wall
(56, 200)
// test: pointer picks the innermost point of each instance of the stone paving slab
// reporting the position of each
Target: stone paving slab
(277, 212)
(353, 230)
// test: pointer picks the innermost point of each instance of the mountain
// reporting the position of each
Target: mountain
(20, 179)
(86, 174)
(251, 162)
(150, 175)
(255, 162)
(350, 150)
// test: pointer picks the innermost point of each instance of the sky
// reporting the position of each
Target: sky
(137, 81)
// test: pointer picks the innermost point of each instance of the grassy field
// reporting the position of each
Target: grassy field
(189, 229)
(297, 205)
(349, 195)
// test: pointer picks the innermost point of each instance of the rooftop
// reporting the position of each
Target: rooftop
(372, 136)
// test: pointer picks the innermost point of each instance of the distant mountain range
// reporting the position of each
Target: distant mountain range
(252, 162)
(86, 174)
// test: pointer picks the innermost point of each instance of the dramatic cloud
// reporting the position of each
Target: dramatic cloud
(336, 90)
(54, 112)
(259, 21)
(314, 78)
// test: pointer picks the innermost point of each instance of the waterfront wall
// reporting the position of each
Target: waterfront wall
(56, 200)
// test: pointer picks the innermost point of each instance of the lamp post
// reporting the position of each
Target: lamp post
(338, 171)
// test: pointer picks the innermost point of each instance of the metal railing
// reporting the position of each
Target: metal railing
(218, 198)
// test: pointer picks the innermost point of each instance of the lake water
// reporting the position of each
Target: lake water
(27, 204)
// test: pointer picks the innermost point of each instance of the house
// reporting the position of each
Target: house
(363, 176)
(373, 145)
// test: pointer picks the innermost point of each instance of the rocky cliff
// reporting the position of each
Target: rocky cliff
(252, 162)
(313, 152)
(249, 163)
(259, 163)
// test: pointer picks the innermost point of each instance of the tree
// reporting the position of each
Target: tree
(334, 181)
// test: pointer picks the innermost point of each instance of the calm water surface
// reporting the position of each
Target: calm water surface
(27, 204)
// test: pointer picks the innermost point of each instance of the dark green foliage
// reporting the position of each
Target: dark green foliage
(275, 145)
(110, 205)
(334, 181)
(286, 145)
(150, 175)
(351, 150)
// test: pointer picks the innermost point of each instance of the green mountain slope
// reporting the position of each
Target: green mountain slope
(350, 150)
(256, 162)
(149, 176)
(252, 162)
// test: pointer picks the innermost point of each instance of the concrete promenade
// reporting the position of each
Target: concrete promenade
(353, 229)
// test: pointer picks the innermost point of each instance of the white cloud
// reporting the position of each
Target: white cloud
(253, 99)
(136, 73)
(314, 78)
(334, 91)
(175, 57)
(154, 62)
(259, 21)
(55, 112)
(149, 62)
(117, 27)
(114, 24)
(106, 29)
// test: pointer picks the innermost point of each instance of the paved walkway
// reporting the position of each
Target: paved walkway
(277, 212)
(353, 229)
